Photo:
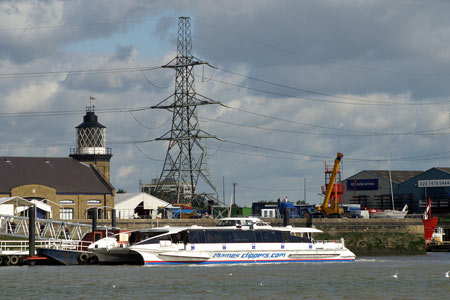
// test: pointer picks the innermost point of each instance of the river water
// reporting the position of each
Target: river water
(419, 277)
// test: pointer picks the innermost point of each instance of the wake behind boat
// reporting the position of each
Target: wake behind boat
(241, 243)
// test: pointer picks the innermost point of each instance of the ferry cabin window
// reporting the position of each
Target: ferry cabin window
(289, 238)
(245, 236)
(197, 237)
(180, 237)
(226, 223)
(218, 236)
(266, 236)
(155, 240)
(242, 236)
(247, 223)
(138, 236)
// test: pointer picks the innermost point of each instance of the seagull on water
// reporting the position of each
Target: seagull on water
(446, 274)
(395, 275)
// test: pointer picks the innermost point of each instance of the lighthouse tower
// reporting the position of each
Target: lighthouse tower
(91, 143)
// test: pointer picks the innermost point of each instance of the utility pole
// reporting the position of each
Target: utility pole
(304, 189)
(223, 188)
(234, 194)
(185, 160)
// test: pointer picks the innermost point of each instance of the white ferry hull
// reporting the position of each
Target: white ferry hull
(176, 256)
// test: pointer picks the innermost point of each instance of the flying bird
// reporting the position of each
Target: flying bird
(395, 275)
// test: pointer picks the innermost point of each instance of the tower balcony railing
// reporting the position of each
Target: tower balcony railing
(91, 150)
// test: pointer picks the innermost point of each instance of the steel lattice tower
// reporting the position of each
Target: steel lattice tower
(185, 160)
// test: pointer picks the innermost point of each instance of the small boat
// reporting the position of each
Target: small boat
(114, 249)
(390, 213)
(429, 223)
(246, 241)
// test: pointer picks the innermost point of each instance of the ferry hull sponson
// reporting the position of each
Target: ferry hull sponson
(245, 257)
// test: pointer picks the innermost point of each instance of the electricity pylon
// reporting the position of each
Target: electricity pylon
(185, 160)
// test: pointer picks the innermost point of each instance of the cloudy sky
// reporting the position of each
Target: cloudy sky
(300, 81)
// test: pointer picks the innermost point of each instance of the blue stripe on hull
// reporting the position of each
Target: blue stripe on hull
(155, 263)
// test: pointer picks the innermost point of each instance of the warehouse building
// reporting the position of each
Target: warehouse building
(434, 184)
(372, 189)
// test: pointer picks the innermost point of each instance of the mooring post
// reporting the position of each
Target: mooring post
(31, 230)
(94, 220)
(286, 217)
(113, 218)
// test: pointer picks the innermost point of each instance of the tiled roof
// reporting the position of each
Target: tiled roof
(64, 174)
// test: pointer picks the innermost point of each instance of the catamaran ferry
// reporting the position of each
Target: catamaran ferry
(230, 244)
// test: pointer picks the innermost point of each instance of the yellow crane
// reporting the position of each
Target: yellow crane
(332, 208)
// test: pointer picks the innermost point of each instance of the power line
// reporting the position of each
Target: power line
(78, 72)
(290, 87)
(145, 154)
(362, 103)
(57, 26)
(152, 84)
(67, 112)
(324, 94)
(328, 60)
(263, 155)
(324, 134)
(372, 133)
(145, 126)
(266, 189)
(422, 157)
(407, 158)
(60, 145)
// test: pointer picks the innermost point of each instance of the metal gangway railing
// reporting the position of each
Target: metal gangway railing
(45, 229)
(21, 247)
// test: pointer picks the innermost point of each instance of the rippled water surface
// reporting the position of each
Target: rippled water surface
(419, 277)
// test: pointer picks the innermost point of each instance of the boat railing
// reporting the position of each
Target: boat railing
(330, 243)
(326, 241)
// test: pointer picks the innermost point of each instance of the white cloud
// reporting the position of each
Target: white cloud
(31, 97)
(374, 50)
(124, 172)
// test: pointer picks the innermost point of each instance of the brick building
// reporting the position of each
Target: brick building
(75, 187)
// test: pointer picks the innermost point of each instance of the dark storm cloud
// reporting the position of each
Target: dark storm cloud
(35, 29)
(336, 46)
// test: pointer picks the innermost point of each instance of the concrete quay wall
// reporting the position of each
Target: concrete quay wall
(365, 237)
(376, 237)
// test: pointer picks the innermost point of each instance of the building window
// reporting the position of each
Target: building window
(66, 202)
(93, 202)
(66, 213)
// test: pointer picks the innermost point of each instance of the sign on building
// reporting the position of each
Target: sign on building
(362, 185)
(433, 183)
